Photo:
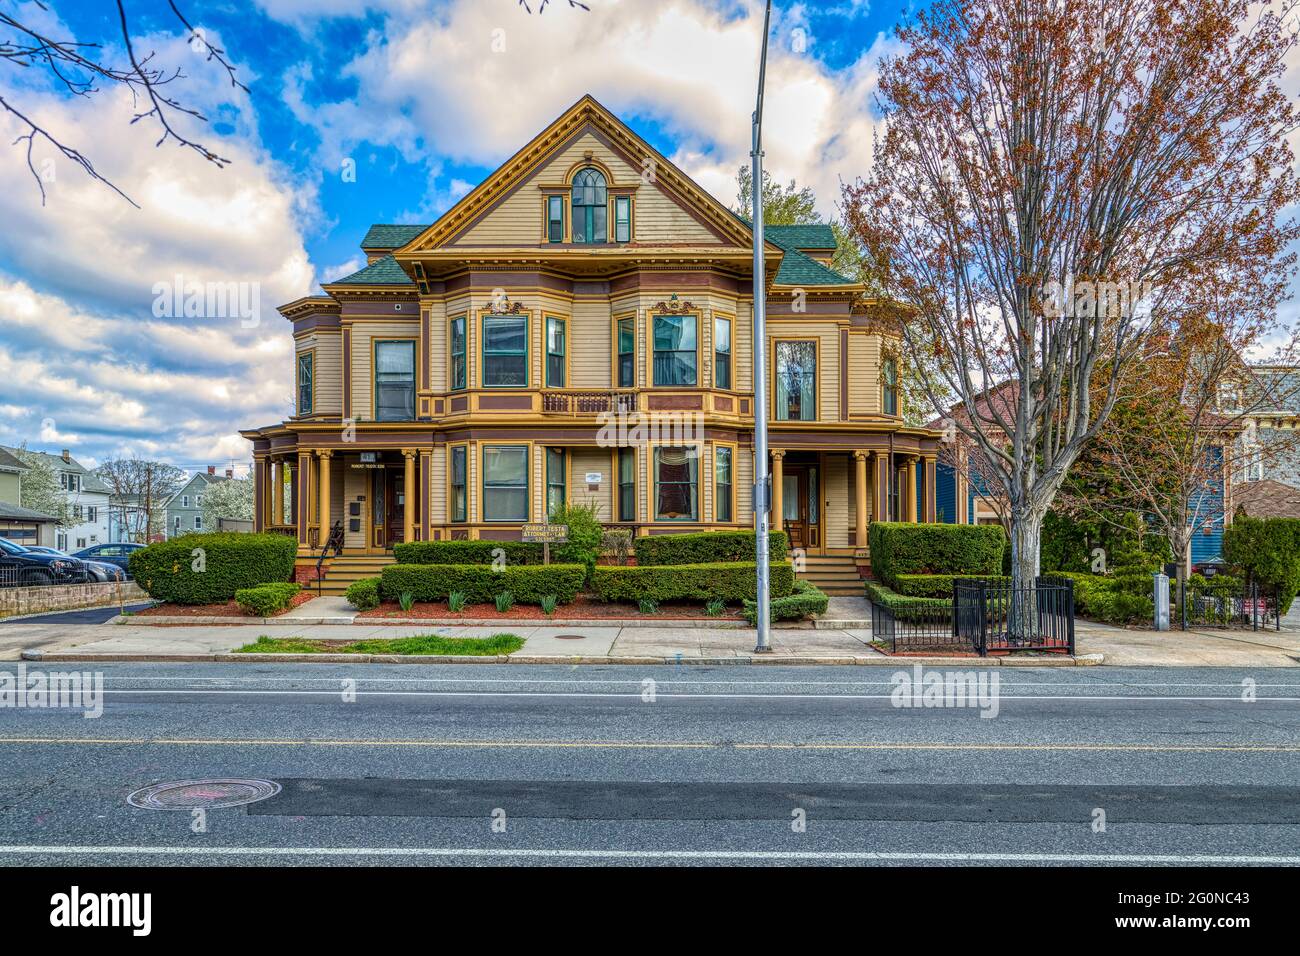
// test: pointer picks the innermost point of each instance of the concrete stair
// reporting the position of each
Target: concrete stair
(836, 574)
(344, 570)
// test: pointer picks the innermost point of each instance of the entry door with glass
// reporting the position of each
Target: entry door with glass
(801, 516)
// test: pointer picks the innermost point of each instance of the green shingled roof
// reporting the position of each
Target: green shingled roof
(382, 236)
(797, 268)
(815, 236)
(383, 271)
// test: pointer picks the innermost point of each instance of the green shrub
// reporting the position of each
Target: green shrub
(456, 601)
(583, 546)
(688, 582)
(1267, 551)
(466, 552)
(1120, 598)
(505, 601)
(364, 594)
(805, 601)
(918, 609)
(648, 606)
(964, 550)
(266, 599)
(226, 562)
(935, 585)
(706, 547)
(406, 600)
(481, 584)
(616, 543)
(548, 604)
(716, 608)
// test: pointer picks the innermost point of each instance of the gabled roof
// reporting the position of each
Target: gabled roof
(819, 235)
(9, 510)
(89, 481)
(390, 236)
(798, 269)
(8, 462)
(1267, 499)
(383, 271)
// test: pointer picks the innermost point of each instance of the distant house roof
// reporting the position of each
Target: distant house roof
(89, 481)
(383, 271)
(1267, 499)
(10, 510)
(8, 462)
(390, 236)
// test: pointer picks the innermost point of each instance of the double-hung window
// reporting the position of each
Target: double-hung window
(796, 381)
(555, 335)
(554, 218)
(722, 353)
(622, 218)
(589, 207)
(626, 353)
(458, 365)
(395, 381)
(889, 386)
(674, 350)
(627, 484)
(676, 484)
(505, 482)
(306, 373)
(723, 483)
(505, 351)
(459, 486)
(554, 481)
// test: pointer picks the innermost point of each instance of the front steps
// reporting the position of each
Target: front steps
(344, 570)
(836, 574)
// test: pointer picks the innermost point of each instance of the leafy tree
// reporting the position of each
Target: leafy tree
(231, 499)
(41, 490)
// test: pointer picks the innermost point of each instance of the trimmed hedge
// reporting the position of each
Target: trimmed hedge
(210, 568)
(706, 547)
(722, 581)
(1120, 598)
(467, 552)
(918, 609)
(265, 599)
(364, 594)
(936, 585)
(1267, 550)
(961, 550)
(481, 584)
(806, 600)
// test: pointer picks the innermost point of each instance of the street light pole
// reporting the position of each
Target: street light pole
(762, 489)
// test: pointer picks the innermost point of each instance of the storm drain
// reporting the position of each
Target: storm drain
(570, 637)
(204, 794)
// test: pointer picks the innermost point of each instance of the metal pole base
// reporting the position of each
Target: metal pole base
(764, 649)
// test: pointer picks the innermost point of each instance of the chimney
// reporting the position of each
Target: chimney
(212, 469)
(67, 455)
(230, 473)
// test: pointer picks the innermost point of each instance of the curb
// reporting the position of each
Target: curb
(156, 620)
(1086, 660)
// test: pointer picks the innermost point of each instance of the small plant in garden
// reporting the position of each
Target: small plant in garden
(647, 606)
(456, 601)
(715, 608)
(548, 605)
(406, 600)
(505, 601)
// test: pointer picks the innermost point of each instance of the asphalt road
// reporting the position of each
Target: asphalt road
(624, 764)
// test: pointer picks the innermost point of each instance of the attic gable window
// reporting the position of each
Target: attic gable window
(589, 207)
(554, 218)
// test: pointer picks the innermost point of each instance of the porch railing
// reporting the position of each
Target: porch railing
(587, 403)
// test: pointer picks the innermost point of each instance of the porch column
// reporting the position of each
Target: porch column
(881, 487)
(259, 495)
(408, 496)
(324, 512)
(908, 491)
(860, 487)
(778, 471)
(931, 489)
(303, 486)
(276, 492)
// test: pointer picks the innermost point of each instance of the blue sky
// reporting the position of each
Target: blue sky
(422, 97)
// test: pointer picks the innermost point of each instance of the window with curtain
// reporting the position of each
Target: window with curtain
(554, 352)
(555, 218)
(722, 353)
(626, 353)
(674, 350)
(623, 219)
(627, 484)
(722, 483)
(505, 351)
(588, 206)
(889, 385)
(505, 482)
(796, 381)
(676, 472)
(458, 352)
(394, 381)
(306, 371)
(459, 486)
(554, 480)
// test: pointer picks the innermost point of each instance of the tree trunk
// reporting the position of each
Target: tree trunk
(1026, 537)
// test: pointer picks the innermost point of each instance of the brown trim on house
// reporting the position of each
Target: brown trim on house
(505, 402)
(347, 371)
(844, 375)
(674, 402)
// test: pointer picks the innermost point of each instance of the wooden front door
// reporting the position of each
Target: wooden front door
(801, 504)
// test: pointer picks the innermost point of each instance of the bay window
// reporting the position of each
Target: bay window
(555, 329)
(889, 386)
(395, 381)
(722, 353)
(674, 350)
(505, 482)
(505, 351)
(626, 353)
(458, 365)
(459, 485)
(627, 484)
(796, 381)
(555, 473)
(306, 388)
(676, 484)
(723, 483)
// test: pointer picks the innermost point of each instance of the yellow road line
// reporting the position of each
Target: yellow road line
(649, 745)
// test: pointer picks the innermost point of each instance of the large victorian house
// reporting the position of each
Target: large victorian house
(578, 329)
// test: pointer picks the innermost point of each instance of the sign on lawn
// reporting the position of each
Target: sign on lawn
(546, 533)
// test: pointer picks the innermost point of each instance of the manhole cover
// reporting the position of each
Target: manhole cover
(570, 637)
(208, 794)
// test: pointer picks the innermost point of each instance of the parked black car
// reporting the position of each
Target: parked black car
(119, 554)
(20, 566)
(96, 571)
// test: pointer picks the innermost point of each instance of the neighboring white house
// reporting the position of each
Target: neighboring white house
(88, 496)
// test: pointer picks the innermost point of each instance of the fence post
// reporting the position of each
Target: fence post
(1069, 612)
(984, 621)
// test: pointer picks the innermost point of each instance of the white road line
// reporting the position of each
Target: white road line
(597, 854)
(672, 681)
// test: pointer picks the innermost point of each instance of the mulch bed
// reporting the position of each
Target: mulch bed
(581, 608)
(224, 609)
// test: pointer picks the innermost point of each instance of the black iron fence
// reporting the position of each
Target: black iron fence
(1231, 605)
(913, 624)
